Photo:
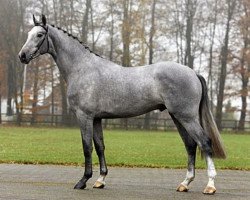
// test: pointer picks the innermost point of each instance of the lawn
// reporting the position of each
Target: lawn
(123, 148)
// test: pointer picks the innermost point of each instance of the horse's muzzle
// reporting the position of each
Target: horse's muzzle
(23, 58)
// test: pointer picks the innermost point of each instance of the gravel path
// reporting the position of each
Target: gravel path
(57, 182)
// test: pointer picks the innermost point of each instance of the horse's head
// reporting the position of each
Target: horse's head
(37, 42)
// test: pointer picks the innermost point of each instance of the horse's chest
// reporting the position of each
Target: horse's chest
(81, 98)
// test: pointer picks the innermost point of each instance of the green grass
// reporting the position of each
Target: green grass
(123, 148)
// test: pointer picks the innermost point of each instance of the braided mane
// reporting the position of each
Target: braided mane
(76, 38)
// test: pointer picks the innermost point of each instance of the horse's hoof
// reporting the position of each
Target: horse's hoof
(182, 188)
(209, 190)
(80, 185)
(99, 185)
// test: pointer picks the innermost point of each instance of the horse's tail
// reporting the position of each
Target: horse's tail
(208, 123)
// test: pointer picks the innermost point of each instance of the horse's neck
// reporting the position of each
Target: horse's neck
(68, 53)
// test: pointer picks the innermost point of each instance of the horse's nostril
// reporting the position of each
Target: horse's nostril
(23, 56)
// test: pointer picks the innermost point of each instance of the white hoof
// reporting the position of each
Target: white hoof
(209, 190)
(182, 188)
(99, 184)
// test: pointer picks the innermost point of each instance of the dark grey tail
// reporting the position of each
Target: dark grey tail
(208, 123)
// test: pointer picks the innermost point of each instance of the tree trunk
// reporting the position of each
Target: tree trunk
(244, 89)
(10, 86)
(55, 12)
(210, 63)
(85, 22)
(190, 12)
(126, 34)
(223, 72)
(35, 95)
(244, 95)
(151, 54)
(245, 63)
(111, 32)
(92, 28)
(71, 16)
(52, 96)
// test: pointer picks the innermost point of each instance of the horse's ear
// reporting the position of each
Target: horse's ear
(43, 19)
(35, 21)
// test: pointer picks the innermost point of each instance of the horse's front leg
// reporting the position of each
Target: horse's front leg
(86, 125)
(100, 147)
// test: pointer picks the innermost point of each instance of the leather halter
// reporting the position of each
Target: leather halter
(41, 43)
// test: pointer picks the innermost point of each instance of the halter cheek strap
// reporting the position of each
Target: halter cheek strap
(41, 43)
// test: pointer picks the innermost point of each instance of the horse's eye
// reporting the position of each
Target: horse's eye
(39, 35)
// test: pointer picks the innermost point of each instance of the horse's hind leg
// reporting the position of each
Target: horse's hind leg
(100, 147)
(194, 129)
(210, 188)
(191, 147)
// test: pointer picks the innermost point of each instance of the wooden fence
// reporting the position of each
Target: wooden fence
(127, 123)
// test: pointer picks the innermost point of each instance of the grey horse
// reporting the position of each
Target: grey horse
(98, 89)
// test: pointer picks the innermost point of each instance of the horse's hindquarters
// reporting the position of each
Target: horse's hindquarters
(179, 87)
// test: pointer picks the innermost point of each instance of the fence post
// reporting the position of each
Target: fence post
(236, 125)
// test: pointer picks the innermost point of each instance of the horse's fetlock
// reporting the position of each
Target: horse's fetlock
(103, 171)
(88, 175)
(190, 177)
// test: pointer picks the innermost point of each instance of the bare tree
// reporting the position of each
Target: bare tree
(151, 54)
(85, 21)
(191, 6)
(244, 61)
(230, 4)
(111, 31)
(12, 22)
(214, 13)
(126, 32)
